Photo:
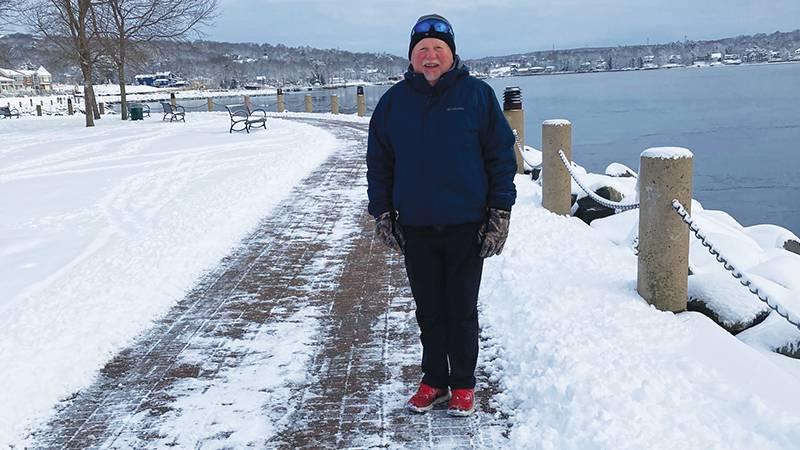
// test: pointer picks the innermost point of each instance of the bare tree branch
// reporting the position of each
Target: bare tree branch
(69, 25)
(128, 24)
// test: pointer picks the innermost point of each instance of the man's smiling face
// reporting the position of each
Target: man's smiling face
(431, 57)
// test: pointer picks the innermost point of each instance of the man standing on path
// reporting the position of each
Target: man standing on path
(440, 172)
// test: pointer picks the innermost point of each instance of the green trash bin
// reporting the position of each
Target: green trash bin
(136, 111)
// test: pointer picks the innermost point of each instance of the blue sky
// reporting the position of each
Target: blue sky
(497, 27)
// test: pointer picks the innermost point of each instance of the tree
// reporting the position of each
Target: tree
(5, 9)
(127, 25)
(72, 26)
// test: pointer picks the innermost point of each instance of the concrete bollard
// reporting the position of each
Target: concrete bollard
(39, 110)
(172, 99)
(665, 173)
(512, 109)
(556, 181)
(335, 104)
(70, 111)
(51, 102)
(362, 102)
(31, 103)
(102, 107)
(248, 103)
(210, 103)
(281, 103)
(309, 104)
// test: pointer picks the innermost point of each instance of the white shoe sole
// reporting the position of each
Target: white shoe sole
(460, 412)
(419, 410)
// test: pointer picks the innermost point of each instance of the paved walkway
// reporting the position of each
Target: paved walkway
(313, 261)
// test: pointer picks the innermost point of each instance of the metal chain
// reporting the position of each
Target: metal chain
(518, 145)
(741, 277)
(616, 206)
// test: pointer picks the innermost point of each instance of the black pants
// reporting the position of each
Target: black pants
(444, 270)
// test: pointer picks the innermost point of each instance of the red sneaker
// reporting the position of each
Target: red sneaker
(426, 397)
(462, 404)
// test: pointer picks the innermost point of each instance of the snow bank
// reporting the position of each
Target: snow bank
(584, 362)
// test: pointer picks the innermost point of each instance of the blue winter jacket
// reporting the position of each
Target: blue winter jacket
(440, 155)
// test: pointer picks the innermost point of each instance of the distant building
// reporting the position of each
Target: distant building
(6, 84)
(39, 79)
(160, 79)
(585, 67)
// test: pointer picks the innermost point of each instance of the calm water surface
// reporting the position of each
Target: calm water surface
(742, 123)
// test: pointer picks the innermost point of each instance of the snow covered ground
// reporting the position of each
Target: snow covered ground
(586, 363)
(104, 229)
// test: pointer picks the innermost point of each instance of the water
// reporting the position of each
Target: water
(742, 123)
(295, 100)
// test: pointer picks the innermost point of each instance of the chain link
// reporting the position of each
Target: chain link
(616, 206)
(741, 277)
(518, 145)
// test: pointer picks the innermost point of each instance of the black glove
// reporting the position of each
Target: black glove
(493, 233)
(388, 230)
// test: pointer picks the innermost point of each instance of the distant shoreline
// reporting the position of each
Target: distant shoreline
(692, 66)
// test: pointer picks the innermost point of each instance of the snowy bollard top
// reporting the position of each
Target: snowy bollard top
(667, 153)
(557, 122)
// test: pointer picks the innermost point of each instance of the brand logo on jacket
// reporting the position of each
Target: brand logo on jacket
(455, 108)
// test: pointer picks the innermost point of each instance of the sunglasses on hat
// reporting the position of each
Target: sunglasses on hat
(428, 25)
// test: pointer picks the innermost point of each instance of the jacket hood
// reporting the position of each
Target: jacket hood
(418, 82)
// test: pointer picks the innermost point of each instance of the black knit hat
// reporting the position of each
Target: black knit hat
(449, 38)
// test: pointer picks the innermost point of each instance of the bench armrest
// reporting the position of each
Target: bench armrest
(258, 112)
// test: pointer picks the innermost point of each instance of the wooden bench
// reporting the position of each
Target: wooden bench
(243, 119)
(174, 113)
(8, 112)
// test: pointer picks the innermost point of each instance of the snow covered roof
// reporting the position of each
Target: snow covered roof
(42, 71)
(6, 80)
(9, 72)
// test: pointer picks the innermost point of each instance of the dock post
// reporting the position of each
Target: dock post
(362, 103)
(556, 181)
(334, 104)
(665, 174)
(281, 103)
(512, 109)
